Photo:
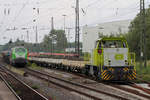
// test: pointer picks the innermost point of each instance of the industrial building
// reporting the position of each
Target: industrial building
(91, 33)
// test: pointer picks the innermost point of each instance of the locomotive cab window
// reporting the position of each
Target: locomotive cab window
(99, 45)
(96, 43)
(19, 50)
(113, 44)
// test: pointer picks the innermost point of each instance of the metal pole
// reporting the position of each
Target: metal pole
(52, 23)
(27, 36)
(143, 33)
(64, 31)
(141, 36)
(77, 34)
(68, 41)
(36, 31)
(69, 38)
(76, 29)
(64, 22)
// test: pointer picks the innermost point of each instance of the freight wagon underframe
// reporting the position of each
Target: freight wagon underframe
(105, 75)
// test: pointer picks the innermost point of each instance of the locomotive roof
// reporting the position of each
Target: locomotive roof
(19, 47)
(112, 38)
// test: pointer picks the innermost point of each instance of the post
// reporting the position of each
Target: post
(141, 37)
(36, 37)
(27, 36)
(143, 34)
(52, 23)
(68, 41)
(64, 22)
(64, 30)
(77, 29)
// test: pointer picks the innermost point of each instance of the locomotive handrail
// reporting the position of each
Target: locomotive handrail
(132, 58)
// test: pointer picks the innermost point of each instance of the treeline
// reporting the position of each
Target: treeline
(134, 35)
(55, 42)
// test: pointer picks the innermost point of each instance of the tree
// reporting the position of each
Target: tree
(133, 36)
(56, 41)
(47, 43)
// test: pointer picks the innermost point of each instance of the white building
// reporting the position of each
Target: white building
(91, 33)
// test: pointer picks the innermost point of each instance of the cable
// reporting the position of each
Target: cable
(91, 4)
(24, 5)
(130, 12)
(45, 14)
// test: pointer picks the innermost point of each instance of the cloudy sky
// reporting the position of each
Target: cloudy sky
(19, 14)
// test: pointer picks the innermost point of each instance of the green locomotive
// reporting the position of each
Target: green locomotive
(19, 55)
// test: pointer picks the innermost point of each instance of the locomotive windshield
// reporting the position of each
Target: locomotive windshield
(20, 50)
(113, 44)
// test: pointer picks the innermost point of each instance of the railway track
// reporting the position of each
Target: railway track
(133, 91)
(48, 78)
(117, 86)
(144, 81)
(145, 93)
(72, 86)
(21, 90)
(9, 87)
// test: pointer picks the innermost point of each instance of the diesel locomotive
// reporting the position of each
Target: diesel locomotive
(111, 60)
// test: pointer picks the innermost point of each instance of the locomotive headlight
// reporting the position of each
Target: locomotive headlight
(109, 62)
(126, 69)
(111, 69)
(126, 62)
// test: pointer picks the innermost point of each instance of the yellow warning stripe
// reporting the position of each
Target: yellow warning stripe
(103, 72)
(134, 72)
(106, 76)
(109, 77)
(134, 75)
(129, 77)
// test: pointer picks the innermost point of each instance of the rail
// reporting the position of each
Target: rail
(8, 72)
(7, 84)
(38, 74)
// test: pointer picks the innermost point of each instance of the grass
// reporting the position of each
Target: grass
(18, 92)
(34, 66)
(35, 87)
(16, 70)
(143, 73)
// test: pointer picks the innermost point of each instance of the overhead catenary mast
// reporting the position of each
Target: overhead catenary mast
(52, 23)
(143, 33)
(77, 29)
(27, 36)
(36, 31)
(64, 31)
